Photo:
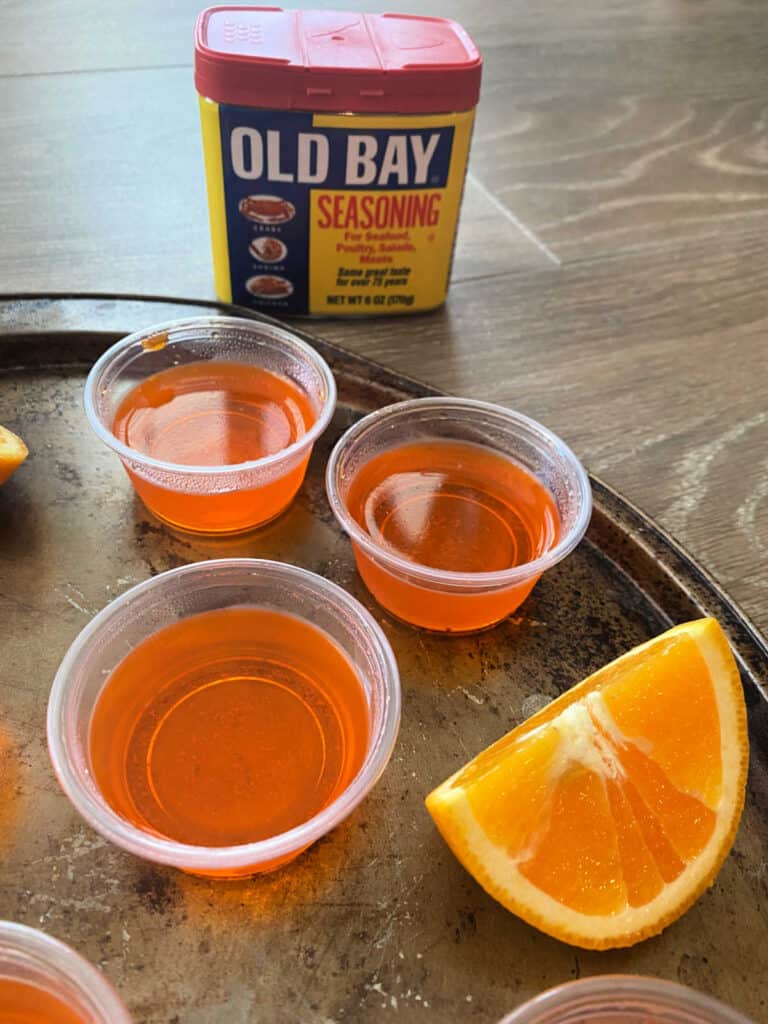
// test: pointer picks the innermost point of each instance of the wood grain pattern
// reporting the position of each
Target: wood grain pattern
(114, 198)
(595, 175)
(709, 49)
(626, 141)
(610, 274)
(652, 365)
(610, 279)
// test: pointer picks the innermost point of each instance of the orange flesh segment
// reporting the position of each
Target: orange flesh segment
(677, 824)
(13, 451)
(686, 822)
(583, 868)
(662, 851)
(676, 682)
(526, 783)
(641, 871)
(623, 794)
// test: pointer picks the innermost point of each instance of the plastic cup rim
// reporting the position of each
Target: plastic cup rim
(282, 334)
(22, 945)
(470, 580)
(222, 858)
(618, 986)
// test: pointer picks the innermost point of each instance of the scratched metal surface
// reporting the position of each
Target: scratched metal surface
(377, 922)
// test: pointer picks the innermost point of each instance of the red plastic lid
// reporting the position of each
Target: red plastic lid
(335, 61)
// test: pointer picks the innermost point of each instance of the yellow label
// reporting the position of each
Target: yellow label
(342, 214)
(386, 250)
(214, 178)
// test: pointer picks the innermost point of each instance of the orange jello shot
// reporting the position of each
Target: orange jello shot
(455, 508)
(223, 716)
(42, 981)
(624, 999)
(213, 418)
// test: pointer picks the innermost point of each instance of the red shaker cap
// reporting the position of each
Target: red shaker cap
(335, 61)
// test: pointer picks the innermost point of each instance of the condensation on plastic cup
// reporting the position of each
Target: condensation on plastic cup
(177, 594)
(467, 601)
(624, 999)
(210, 499)
(31, 956)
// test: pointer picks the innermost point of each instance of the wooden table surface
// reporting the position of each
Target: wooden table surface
(611, 268)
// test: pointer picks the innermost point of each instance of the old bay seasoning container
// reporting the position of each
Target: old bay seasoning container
(335, 146)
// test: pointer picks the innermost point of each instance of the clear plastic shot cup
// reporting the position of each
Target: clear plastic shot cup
(189, 591)
(219, 498)
(624, 999)
(436, 598)
(58, 975)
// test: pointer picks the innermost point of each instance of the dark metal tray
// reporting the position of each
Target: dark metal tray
(378, 921)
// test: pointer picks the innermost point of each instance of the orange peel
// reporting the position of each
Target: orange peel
(13, 451)
(602, 818)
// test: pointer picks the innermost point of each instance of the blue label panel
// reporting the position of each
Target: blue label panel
(273, 159)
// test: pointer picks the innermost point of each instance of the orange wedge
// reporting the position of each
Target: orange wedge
(602, 818)
(13, 451)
